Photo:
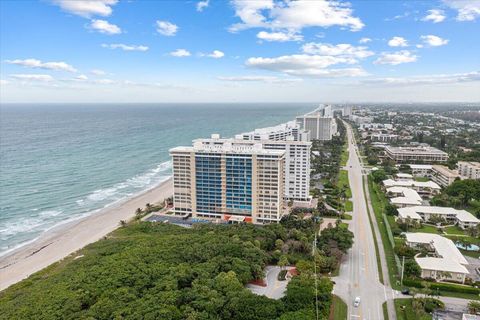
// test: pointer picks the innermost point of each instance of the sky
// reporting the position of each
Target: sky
(239, 51)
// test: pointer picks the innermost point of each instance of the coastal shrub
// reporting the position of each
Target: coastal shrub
(161, 271)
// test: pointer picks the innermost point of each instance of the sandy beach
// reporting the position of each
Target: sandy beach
(60, 242)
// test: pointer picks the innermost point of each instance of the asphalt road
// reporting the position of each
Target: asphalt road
(358, 275)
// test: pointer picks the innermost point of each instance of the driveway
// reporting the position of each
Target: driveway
(275, 289)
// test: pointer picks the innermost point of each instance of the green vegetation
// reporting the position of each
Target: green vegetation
(416, 309)
(339, 309)
(422, 179)
(385, 311)
(461, 194)
(159, 271)
(348, 206)
(344, 156)
(379, 202)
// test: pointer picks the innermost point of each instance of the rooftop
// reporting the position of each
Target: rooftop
(410, 183)
(413, 212)
(445, 171)
(416, 150)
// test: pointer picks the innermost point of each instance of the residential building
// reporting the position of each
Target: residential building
(444, 261)
(424, 188)
(422, 154)
(469, 170)
(403, 176)
(360, 120)
(320, 124)
(462, 218)
(421, 170)
(218, 179)
(277, 133)
(347, 111)
(443, 175)
(384, 137)
(402, 197)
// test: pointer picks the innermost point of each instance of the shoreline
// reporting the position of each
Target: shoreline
(61, 241)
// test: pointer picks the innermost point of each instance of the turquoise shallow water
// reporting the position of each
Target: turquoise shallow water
(63, 162)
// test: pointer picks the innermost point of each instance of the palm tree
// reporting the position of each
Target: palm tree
(138, 212)
(148, 207)
(474, 307)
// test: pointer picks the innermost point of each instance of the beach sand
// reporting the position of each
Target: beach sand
(60, 242)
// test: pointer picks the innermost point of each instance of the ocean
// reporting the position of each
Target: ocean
(61, 162)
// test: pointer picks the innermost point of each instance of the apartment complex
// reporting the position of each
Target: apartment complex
(444, 261)
(277, 133)
(469, 170)
(320, 124)
(421, 154)
(443, 175)
(462, 218)
(424, 188)
(219, 179)
(384, 137)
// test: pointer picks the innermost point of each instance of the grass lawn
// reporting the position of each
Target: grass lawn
(473, 254)
(385, 311)
(454, 230)
(339, 309)
(378, 203)
(426, 229)
(346, 216)
(469, 239)
(348, 206)
(422, 179)
(404, 311)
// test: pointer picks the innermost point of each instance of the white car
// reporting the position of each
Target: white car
(356, 302)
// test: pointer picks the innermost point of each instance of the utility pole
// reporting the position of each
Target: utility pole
(314, 251)
(403, 268)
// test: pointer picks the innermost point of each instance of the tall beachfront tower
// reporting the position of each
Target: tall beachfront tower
(219, 179)
(320, 123)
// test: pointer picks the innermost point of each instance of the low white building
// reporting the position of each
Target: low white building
(446, 261)
(403, 176)
(424, 188)
(421, 170)
(462, 218)
(421, 154)
(402, 197)
(469, 170)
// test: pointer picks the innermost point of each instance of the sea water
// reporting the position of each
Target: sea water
(62, 162)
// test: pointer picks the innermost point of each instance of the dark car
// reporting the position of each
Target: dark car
(406, 291)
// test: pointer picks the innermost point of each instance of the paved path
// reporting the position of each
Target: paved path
(358, 275)
(275, 289)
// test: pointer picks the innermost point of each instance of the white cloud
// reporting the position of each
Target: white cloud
(97, 72)
(279, 36)
(33, 77)
(435, 15)
(202, 5)
(398, 42)
(306, 65)
(467, 10)
(166, 28)
(253, 78)
(104, 81)
(34, 63)
(434, 41)
(3, 82)
(427, 79)
(87, 8)
(104, 26)
(216, 54)
(81, 77)
(395, 58)
(294, 15)
(343, 49)
(180, 53)
(125, 47)
(364, 40)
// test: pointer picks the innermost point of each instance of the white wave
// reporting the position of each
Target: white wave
(50, 213)
(124, 189)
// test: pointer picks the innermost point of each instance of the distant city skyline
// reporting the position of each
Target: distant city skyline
(239, 51)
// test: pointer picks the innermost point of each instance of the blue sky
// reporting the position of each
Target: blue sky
(229, 51)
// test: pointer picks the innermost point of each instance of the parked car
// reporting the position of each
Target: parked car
(356, 302)
(406, 291)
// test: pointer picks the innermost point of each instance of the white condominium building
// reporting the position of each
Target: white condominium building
(421, 170)
(423, 154)
(444, 260)
(443, 175)
(280, 132)
(424, 188)
(462, 218)
(469, 170)
(219, 179)
(321, 127)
